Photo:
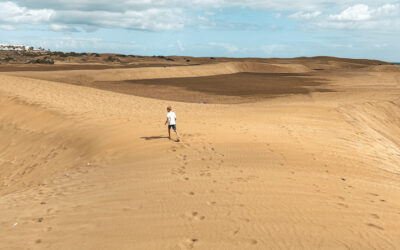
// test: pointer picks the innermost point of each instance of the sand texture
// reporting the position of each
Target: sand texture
(286, 154)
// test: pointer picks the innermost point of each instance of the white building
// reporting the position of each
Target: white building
(14, 47)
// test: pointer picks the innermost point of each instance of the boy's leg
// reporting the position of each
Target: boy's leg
(169, 132)
(176, 132)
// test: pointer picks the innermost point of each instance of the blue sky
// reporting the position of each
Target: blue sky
(231, 28)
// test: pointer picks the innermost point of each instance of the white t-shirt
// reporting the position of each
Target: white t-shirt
(171, 118)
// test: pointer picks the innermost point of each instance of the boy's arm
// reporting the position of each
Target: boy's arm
(166, 121)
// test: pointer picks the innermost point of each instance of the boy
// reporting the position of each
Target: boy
(171, 120)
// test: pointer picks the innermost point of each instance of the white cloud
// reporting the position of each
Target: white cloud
(335, 45)
(381, 45)
(171, 15)
(12, 13)
(226, 46)
(208, 5)
(305, 16)
(359, 12)
(202, 18)
(73, 43)
(7, 27)
(362, 12)
(388, 10)
(360, 16)
(180, 45)
(80, 44)
(272, 49)
(152, 19)
(61, 27)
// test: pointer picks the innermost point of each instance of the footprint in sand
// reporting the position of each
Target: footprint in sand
(341, 198)
(343, 205)
(205, 172)
(182, 157)
(252, 241)
(240, 179)
(188, 243)
(375, 226)
(211, 203)
(194, 216)
(178, 171)
(245, 219)
(375, 216)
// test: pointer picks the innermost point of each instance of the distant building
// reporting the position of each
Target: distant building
(15, 47)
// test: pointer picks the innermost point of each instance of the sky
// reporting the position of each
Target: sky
(230, 28)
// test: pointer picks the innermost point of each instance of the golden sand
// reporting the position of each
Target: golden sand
(88, 168)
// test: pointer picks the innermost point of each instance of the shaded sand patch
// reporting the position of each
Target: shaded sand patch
(232, 88)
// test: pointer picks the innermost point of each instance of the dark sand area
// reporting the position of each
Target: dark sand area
(232, 88)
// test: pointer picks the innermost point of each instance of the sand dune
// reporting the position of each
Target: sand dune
(85, 76)
(86, 168)
(385, 68)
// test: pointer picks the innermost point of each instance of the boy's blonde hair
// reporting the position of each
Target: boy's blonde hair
(169, 108)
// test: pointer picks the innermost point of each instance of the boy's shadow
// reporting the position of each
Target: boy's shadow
(150, 138)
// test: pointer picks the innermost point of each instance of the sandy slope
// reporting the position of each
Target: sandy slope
(85, 76)
(82, 168)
